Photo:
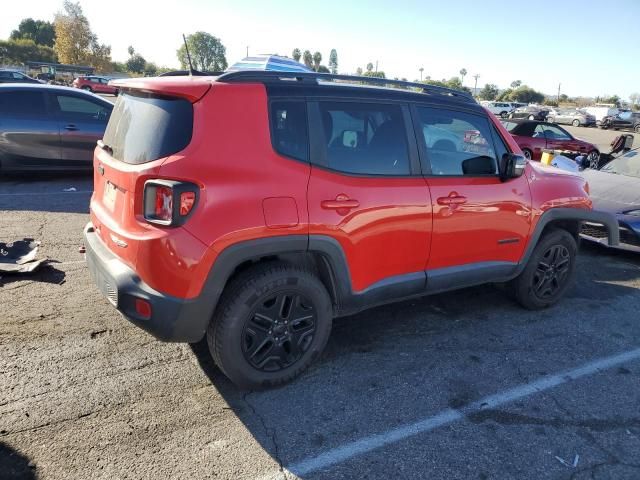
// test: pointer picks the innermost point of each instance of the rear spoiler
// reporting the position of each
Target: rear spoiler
(192, 88)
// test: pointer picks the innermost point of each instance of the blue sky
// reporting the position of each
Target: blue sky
(584, 45)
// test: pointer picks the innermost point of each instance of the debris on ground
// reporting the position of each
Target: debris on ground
(70, 189)
(19, 256)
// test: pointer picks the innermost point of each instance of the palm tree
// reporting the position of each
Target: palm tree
(463, 72)
(307, 58)
(369, 67)
(296, 54)
(317, 58)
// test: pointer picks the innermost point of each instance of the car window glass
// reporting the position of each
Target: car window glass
(555, 133)
(289, 129)
(72, 105)
(628, 164)
(22, 103)
(365, 139)
(458, 143)
(538, 132)
(17, 75)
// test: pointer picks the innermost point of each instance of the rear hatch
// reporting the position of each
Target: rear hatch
(151, 121)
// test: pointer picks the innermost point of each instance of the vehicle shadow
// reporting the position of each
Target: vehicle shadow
(400, 363)
(46, 192)
(14, 465)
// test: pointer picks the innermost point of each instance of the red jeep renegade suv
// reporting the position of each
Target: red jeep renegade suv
(255, 207)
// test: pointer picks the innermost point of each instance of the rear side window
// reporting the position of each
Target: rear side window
(289, 129)
(458, 143)
(80, 107)
(368, 139)
(22, 103)
(145, 127)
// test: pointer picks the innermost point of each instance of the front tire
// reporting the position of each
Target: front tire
(527, 153)
(87, 88)
(549, 272)
(576, 123)
(503, 114)
(532, 117)
(273, 321)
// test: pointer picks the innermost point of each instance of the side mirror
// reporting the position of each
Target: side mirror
(512, 166)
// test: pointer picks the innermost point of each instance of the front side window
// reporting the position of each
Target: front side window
(555, 133)
(458, 143)
(367, 139)
(70, 105)
(289, 129)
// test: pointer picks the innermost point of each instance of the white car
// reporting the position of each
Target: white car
(601, 112)
(501, 109)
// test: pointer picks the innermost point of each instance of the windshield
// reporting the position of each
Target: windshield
(146, 127)
(628, 164)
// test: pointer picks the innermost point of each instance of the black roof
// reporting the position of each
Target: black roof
(312, 83)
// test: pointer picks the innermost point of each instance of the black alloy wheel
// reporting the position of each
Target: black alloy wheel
(552, 272)
(279, 331)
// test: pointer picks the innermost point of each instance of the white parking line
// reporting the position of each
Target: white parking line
(22, 194)
(448, 416)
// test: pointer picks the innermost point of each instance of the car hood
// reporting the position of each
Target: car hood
(611, 192)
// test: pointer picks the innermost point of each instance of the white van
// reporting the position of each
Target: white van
(601, 112)
(500, 109)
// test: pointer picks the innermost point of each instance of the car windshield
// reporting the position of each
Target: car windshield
(628, 164)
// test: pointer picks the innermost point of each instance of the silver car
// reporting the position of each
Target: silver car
(572, 116)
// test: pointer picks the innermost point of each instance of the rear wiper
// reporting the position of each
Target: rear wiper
(105, 147)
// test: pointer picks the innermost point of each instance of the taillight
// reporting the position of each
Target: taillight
(168, 202)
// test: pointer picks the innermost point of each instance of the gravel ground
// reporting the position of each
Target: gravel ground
(84, 394)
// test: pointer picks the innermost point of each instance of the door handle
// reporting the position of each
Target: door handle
(70, 127)
(342, 202)
(452, 199)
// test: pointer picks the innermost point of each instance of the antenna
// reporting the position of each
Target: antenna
(186, 47)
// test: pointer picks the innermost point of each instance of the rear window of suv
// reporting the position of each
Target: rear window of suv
(145, 127)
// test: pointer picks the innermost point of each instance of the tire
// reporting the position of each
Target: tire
(503, 114)
(532, 117)
(551, 120)
(236, 329)
(538, 287)
(594, 158)
(510, 116)
(637, 128)
(527, 153)
(87, 88)
(576, 123)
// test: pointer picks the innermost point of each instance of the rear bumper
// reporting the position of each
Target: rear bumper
(172, 319)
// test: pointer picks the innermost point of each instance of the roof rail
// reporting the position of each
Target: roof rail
(314, 77)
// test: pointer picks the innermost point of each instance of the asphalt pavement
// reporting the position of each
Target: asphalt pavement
(463, 385)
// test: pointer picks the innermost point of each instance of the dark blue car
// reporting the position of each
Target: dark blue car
(616, 188)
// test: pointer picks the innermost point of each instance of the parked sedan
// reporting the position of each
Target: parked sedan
(616, 188)
(46, 127)
(533, 137)
(95, 84)
(13, 76)
(530, 112)
(572, 116)
(624, 120)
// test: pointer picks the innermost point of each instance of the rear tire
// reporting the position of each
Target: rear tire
(272, 322)
(527, 153)
(576, 123)
(532, 117)
(549, 272)
(503, 114)
(637, 128)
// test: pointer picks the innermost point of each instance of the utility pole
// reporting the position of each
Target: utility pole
(559, 94)
(247, 50)
(475, 88)
(376, 66)
(421, 70)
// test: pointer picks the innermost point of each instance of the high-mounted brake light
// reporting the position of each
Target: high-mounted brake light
(168, 202)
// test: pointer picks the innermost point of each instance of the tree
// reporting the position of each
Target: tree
(515, 84)
(307, 58)
(75, 42)
(463, 73)
(207, 53)
(369, 67)
(20, 51)
(489, 92)
(130, 50)
(150, 69)
(317, 58)
(323, 69)
(296, 54)
(333, 61)
(634, 98)
(526, 94)
(41, 32)
(359, 71)
(371, 73)
(136, 63)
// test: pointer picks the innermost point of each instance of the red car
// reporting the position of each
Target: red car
(253, 208)
(532, 137)
(95, 84)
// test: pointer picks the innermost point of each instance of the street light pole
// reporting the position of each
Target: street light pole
(421, 70)
(475, 88)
